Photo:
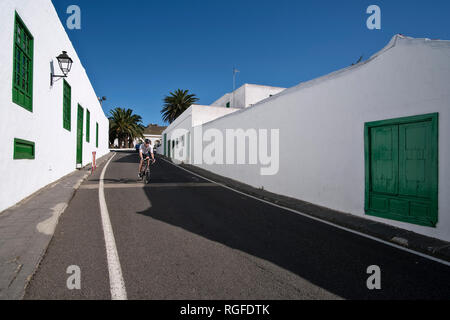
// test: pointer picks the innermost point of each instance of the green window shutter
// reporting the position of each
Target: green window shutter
(22, 88)
(24, 149)
(96, 134)
(402, 169)
(88, 126)
(80, 120)
(165, 144)
(67, 106)
(228, 104)
(414, 159)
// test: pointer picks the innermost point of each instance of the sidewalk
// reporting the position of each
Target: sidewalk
(27, 228)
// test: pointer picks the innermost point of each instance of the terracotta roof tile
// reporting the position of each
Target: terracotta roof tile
(154, 129)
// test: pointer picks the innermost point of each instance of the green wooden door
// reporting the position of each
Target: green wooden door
(96, 134)
(402, 169)
(80, 135)
(88, 126)
(414, 164)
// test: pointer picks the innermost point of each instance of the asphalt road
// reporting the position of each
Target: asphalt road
(185, 238)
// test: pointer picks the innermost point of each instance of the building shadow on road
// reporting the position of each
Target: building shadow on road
(330, 258)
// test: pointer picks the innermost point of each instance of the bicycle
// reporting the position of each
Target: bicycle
(145, 172)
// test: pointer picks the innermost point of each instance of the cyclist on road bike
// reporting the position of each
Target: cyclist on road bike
(145, 152)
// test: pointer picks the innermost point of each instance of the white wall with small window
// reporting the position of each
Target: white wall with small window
(39, 122)
(247, 95)
(370, 140)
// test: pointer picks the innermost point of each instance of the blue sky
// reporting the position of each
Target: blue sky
(137, 51)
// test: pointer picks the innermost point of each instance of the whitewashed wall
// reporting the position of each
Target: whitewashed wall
(321, 126)
(55, 147)
(257, 93)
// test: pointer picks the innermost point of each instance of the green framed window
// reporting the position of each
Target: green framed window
(165, 144)
(228, 105)
(80, 122)
(88, 126)
(22, 88)
(401, 164)
(67, 106)
(24, 149)
(96, 134)
(188, 147)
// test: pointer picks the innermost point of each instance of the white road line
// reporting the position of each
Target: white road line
(116, 283)
(320, 220)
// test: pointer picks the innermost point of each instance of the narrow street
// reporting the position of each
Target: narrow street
(183, 237)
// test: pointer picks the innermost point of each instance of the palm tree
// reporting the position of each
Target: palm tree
(125, 126)
(176, 103)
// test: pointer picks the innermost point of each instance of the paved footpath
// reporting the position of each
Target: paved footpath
(183, 237)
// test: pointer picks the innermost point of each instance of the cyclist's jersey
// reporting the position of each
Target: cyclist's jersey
(146, 150)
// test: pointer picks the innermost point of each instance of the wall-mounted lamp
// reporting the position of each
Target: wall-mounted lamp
(101, 100)
(65, 64)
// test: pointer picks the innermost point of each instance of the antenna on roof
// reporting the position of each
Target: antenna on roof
(235, 71)
(101, 99)
(359, 60)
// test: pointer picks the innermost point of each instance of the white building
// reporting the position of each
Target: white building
(246, 96)
(370, 140)
(47, 131)
(152, 132)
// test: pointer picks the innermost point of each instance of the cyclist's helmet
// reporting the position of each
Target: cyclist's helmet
(147, 141)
